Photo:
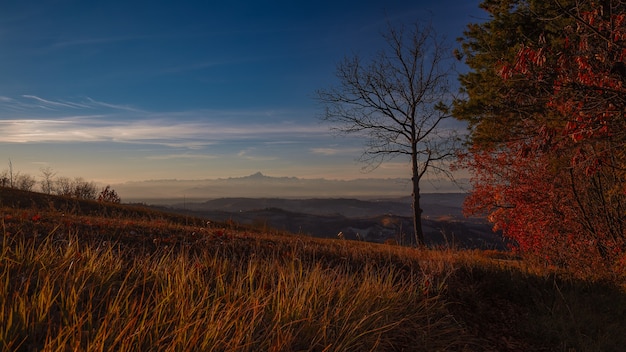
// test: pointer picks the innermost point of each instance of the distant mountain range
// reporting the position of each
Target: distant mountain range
(370, 220)
(435, 205)
(261, 186)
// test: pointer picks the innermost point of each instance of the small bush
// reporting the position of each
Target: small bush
(109, 195)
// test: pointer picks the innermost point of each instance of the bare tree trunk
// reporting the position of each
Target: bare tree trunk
(11, 173)
(417, 215)
(417, 209)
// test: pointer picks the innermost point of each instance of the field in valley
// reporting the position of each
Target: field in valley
(89, 276)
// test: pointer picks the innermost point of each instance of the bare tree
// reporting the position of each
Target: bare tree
(24, 182)
(47, 182)
(109, 195)
(63, 186)
(76, 188)
(397, 100)
(84, 189)
(4, 178)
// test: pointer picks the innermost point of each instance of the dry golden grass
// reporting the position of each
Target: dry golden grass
(126, 279)
(60, 294)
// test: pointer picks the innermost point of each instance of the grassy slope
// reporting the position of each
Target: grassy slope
(107, 277)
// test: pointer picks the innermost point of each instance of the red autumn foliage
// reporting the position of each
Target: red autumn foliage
(532, 204)
(559, 189)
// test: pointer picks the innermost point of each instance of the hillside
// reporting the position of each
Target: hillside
(371, 220)
(435, 205)
(93, 276)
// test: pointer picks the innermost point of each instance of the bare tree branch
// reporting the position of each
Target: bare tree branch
(397, 101)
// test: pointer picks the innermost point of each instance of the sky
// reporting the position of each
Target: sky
(120, 90)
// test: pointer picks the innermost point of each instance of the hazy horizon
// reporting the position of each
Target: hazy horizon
(259, 185)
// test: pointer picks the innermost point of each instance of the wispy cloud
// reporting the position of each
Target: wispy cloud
(51, 104)
(328, 151)
(95, 103)
(89, 120)
(280, 142)
(324, 151)
(181, 156)
(32, 105)
(143, 131)
(246, 154)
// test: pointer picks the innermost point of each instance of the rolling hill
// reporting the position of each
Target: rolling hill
(369, 220)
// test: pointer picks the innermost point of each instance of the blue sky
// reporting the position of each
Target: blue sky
(116, 90)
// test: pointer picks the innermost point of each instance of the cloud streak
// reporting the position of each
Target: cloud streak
(145, 131)
(90, 120)
(35, 106)
(49, 104)
(181, 156)
(334, 151)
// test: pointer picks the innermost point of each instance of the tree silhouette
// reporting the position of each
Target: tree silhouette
(109, 195)
(397, 101)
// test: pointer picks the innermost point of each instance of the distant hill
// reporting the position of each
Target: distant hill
(368, 220)
(435, 205)
(373, 221)
(64, 207)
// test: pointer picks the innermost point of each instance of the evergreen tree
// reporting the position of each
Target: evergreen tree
(546, 107)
